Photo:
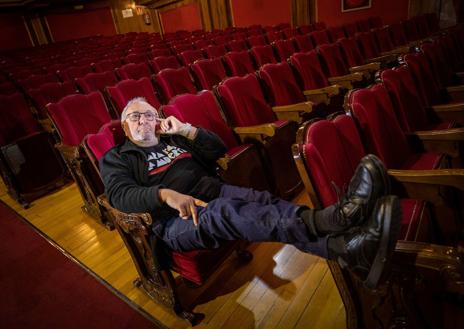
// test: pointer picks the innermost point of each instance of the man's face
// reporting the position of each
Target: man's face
(141, 123)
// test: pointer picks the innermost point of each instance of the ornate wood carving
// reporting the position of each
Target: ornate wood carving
(89, 186)
(155, 279)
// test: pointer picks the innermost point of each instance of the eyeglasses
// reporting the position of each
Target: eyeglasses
(135, 116)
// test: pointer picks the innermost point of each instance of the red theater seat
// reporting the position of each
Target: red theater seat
(242, 165)
(164, 62)
(174, 82)
(284, 49)
(303, 42)
(134, 71)
(75, 116)
(29, 165)
(106, 65)
(121, 93)
(239, 63)
(50, 93)
(214, 51)
(208, 72)
(96, 81)
(248, 112)
(320, 37)
(263, 55)
(189, 56)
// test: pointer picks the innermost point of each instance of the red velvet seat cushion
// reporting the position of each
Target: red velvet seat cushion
(197, 265)
(422, 161)
(239, 63)
(209, 72)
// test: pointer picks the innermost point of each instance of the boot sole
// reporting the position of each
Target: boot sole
(391, 212)
(380, 168)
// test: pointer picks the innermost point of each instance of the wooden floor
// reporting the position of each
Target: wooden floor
(280, 288)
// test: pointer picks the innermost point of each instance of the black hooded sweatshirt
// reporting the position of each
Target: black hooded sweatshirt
(133, 175)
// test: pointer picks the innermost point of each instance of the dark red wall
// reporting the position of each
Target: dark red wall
(79, 24)
(13, 33)
(187, 17)
(264, 12)
(330, 12)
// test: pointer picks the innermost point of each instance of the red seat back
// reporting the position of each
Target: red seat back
(366, 42)
(164, 62)
(244, 101)
(73, 72)
(239, 63)
(333, 59)
(263, 55)
(320, 37)
(363, 25)
(174, 82)
(405, 97)
(350, 29)
(109, 135)
(96, 81)
(384, 42)
(208, 72)
(397, 34)
(303, 42)
(375, 22)
(201, 110)
(237, 45)
(424, 78)
(16, 120)
(336, 32)
(310, 70)
(134, 71)
(382, 133)
(214, 51)
(351, 52)
(284, 48)
(35, 81)
(256, 40)
(78, 115)
(50, 93)
(187, 57)
(332, 151)
(125, 90)
(410, 28)
(135, 58)
(106, 65)
(281, 83)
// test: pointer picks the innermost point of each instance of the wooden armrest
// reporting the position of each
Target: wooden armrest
(322, 95)
(371, 67)
(356, 76)
(267, 129)
(396, 51)
(444, 259)
(224, 162)
(454, 89)
(297, 107)
(383, 59)
(293, 112)
(453, 134)
(69, 152)
(453, 107)
(447, 177)
(346, 81)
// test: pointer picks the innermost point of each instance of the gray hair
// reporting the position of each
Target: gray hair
(130, 103)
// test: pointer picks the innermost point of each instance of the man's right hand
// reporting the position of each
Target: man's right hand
(184, 204)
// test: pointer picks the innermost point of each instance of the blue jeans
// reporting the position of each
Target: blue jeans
(241, 214)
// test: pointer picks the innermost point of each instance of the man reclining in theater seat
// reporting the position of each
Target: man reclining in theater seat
(167, 168)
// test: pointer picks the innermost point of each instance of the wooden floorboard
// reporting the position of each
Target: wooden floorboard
(281, 287)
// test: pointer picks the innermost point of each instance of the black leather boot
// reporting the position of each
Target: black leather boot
(367, 249)
(368, 184)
